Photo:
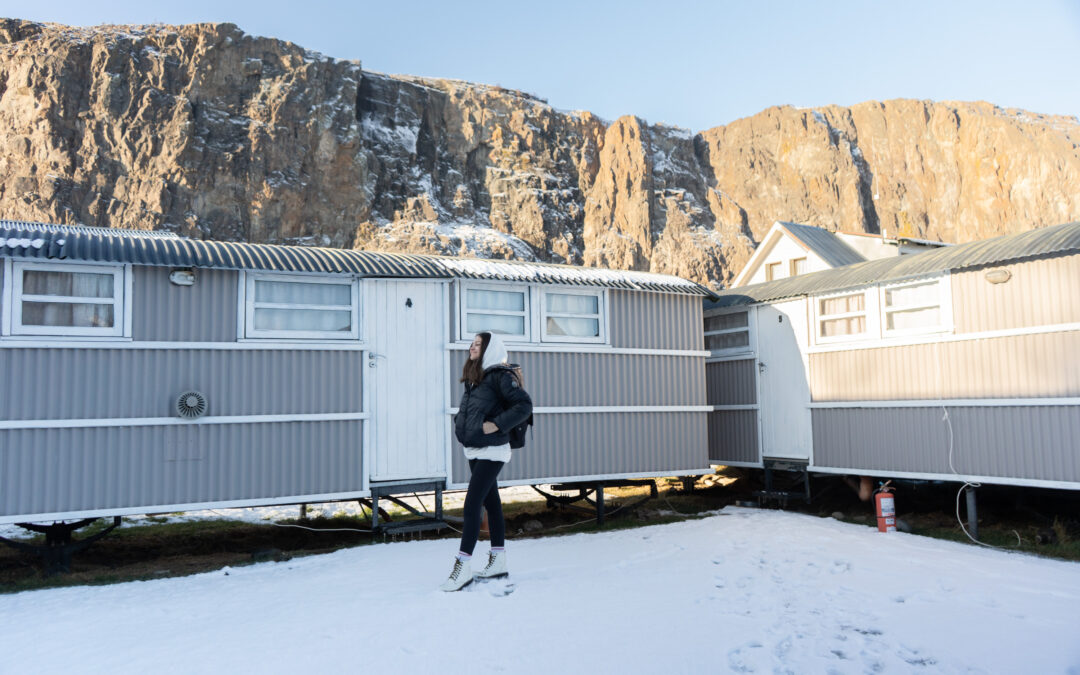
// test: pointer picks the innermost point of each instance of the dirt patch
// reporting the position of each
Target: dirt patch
(1045, 522)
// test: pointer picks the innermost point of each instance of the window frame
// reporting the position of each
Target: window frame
(600, 316)
(14, 297)
(944, 306)
(778, 266)
(247, 330)
(463, 311)
(869, 312)
(749, 328)
(792, 263)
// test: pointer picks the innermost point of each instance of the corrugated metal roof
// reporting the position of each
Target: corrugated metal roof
(832, 249)
(1034, 243)
(100, 244)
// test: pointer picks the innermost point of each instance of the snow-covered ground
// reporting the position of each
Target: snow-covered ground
(743, 590)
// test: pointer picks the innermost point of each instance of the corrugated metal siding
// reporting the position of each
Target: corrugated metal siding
(655, 321)
(121, 383)
(203, 312)
(1039, 293)
(564, 445)
(1021, 366)
(733, 436)
(1029, 442)
(584, 379)
(70, 470)
(731, 382)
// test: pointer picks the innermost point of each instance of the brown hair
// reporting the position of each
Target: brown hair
(473, 371)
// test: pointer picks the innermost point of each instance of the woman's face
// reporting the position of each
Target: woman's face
(475, 348)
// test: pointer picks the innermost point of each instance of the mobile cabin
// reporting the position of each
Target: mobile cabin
(956, 364)
(145, 372)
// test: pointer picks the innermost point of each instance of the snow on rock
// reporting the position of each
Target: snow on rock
(740, 591)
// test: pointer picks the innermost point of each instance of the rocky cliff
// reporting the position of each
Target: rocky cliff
(213, 133)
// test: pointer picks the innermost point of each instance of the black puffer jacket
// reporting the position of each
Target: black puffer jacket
(499, 399)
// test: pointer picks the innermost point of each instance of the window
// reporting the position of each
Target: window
(301, 307)
(572, 316)
(798, 266)
(772, 271)
(912, 308)
(497, 309)
(841, 316)
(62, 299)
(728, 332)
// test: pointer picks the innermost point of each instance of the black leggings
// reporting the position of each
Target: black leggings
(483, 492)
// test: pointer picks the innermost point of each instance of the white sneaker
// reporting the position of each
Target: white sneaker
(496, 567)
(460, 577)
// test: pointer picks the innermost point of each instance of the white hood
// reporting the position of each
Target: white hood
(495, 353)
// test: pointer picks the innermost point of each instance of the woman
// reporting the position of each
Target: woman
(493, 403)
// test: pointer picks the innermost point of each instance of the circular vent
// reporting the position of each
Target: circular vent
(191, 405)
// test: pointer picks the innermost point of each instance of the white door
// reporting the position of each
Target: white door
(406, 369)
(782, 376)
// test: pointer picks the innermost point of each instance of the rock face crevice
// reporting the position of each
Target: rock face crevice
(214, 133)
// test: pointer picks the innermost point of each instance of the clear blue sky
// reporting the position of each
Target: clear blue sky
(692, 64)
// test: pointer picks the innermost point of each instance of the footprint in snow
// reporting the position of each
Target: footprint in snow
(840, 566)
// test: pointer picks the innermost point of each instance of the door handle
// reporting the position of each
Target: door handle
(761, 367)
(371, 358)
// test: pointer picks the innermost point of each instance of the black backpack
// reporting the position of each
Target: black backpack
(517, 434)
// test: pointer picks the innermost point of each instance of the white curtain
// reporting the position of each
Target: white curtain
(68, 285)
(318, 307)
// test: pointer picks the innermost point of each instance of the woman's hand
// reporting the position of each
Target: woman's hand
(490, 428)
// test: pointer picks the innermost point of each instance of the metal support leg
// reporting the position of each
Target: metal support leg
(600, 504)
(375, 512)
(972, 513)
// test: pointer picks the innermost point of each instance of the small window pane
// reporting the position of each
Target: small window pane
(67, 314)
(727, 321)
(495, 323)
(909, 296)
(843, 304)
(509, 301)
(727, 340)
(911, 319)
(574, 327)
(850, 326)
(298, 293)
(70, 284)
(561, 303)
(303, 320)
(798, 266)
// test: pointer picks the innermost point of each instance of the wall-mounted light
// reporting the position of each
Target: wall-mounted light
(998, 276)
(182, 277)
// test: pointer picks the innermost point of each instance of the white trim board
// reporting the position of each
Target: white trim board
(571, 348)
(749, 465)
(176, 421)
(570, 410)
(125, 343)
(725, 408)
(950, 477)
(173, 508)
(746, 356)
(950, 403)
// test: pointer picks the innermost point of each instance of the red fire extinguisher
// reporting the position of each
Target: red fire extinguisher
(886, 508)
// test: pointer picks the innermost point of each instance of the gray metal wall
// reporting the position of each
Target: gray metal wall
(1027, 442)
(122, 383)
(569, 445)
(733, 436)
(597, 379)
(1039, 293)
(70, 470)
(655, 321)
(203, 312)
(731, 382)
(1021, 366)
